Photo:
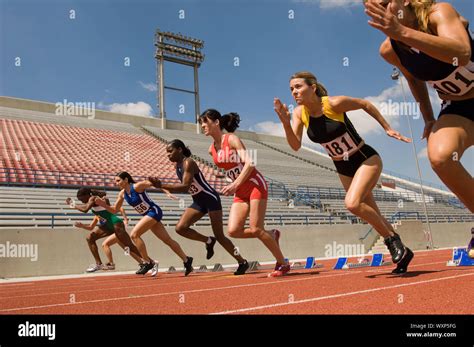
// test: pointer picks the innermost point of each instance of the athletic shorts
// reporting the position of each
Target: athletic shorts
(205, 203)
(250, 191)
(155, 212)
(463, 108)
(349, 167)
(108, 226)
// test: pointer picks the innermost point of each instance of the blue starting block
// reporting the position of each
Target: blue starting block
(309, 263)
(460, 258)
(377, 260)
(340, 263)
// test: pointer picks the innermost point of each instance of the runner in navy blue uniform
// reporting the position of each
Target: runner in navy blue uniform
(136, 196)
(205, 200)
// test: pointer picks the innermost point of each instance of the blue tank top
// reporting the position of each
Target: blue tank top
(141, 202)
(199, 184)
(444, 77)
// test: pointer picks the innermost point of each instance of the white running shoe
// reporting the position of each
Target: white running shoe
(154, 271)
(108, 266)
(94, 268)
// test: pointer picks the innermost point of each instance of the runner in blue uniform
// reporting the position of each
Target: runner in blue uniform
(136, 196)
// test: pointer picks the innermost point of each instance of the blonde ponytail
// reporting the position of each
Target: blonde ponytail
(422, 9)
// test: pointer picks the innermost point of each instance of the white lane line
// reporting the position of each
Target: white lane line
(319, 298)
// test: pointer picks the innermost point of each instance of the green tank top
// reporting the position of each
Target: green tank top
(110, 218)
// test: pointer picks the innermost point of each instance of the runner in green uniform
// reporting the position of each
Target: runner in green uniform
(111, 225)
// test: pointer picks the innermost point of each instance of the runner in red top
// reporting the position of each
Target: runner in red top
(248, 184)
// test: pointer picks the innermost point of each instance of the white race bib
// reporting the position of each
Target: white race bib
(459, 82)
(233, 173)
(142, 207)
(195, 188)
(340, 146)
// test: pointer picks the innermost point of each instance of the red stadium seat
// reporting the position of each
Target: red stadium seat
(86, 154)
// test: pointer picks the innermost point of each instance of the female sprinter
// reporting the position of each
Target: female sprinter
(108, 242)
(205, 200)
(134, 193)
(112, 225)
(431, 42)
(358, 165)
(248, 185)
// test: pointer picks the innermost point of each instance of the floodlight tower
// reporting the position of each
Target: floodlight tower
(179, 49)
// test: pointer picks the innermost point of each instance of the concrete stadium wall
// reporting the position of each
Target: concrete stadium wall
(64, 251)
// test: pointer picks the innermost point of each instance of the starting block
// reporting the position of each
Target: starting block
(460, 258)
(311, 263)
(171, 269)
(202, 268)
(253, 266)
(340, 263)
(377, 260)
(218, 267)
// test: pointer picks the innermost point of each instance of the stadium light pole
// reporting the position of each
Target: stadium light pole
(396, 76)
(179, 49)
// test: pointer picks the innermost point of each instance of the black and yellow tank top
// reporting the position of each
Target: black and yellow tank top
(334, 131)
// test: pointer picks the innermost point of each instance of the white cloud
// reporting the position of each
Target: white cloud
(269, 127)
(423, 153)
(135, 109)
(326, 4)
(151, 87)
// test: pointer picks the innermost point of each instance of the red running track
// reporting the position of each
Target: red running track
(429, 288)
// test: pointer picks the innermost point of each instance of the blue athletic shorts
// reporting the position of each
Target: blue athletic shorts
(155, 212)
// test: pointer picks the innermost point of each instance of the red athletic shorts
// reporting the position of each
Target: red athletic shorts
(252, 191)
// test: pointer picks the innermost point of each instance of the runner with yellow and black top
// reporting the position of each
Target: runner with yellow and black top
(358, 165)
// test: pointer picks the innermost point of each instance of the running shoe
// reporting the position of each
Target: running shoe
(470, 246)
(188, 266)
(140, 267)
(280, 270)
(94, 268)
(210, 248)
(402, 265)
(108, 266)
(243, 267)
(154, 271)
(145, 268)
(396, 248)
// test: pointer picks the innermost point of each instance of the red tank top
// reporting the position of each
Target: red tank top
(227, 158)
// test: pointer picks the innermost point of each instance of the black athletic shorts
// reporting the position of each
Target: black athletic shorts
(463, 108)
(205, 203)
(349, 167)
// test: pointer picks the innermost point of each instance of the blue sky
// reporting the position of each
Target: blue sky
(82, 59)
